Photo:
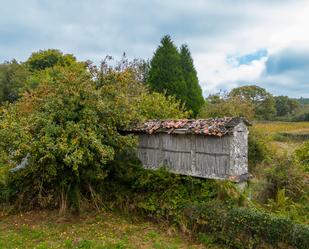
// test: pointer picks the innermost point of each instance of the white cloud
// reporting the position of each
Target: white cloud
(214, 30)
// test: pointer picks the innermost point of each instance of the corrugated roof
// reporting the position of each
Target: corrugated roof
(210, 127)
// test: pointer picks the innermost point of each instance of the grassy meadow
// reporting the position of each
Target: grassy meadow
(103, 230)
(284, 137)
(272, 127)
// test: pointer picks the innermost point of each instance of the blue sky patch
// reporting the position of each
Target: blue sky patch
(248, 58)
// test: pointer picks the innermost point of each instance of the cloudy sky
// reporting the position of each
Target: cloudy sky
(233, 42)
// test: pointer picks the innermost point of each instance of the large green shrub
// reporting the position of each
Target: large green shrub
(66, 131)
(68, 128)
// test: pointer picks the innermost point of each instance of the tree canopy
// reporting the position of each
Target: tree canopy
(13, 78)
(285, 105)
(262, 100)
(222, 105)
(49, 58)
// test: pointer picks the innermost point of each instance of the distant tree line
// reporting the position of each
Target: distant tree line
(254, 102)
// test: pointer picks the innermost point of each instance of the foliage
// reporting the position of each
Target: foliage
(302, 155)
(67, 130)
(13, 77)
(284, 174)
(258, 148)
(226, 107)
(195, 98)
(301, 117)
(68, 133)
(172, 72)
(263, 101)
(285, 106)
(302, 113)
(160, 106)
(199, 206)
(248, 228)
(303, 101)
(165, 73)
(286, 207)
(127, 79)
(48, 59)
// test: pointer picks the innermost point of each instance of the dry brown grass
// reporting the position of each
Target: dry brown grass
(282, 127)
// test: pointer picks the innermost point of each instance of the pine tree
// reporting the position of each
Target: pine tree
(165, 73)
(195, 98)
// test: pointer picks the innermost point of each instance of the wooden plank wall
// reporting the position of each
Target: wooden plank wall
(195, 155)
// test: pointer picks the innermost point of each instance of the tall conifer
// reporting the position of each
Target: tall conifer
(165, 73)
(195, 98)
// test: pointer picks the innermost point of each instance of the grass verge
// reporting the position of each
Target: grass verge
(105, 230)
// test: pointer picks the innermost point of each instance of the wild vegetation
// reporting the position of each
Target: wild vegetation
(92, 230)
(62, 147)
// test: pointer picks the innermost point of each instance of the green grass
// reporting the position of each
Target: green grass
(45, 229)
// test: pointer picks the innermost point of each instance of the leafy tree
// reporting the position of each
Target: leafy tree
(286, 106)
(217, 106)
(195, 98)
(13, 77)
(262, 100)
(159, 106)
(165, 74)
(49, 58)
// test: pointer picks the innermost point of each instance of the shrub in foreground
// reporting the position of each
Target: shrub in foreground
(59, 137)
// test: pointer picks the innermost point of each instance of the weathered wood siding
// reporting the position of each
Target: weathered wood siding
(212, 156)
(197, 155)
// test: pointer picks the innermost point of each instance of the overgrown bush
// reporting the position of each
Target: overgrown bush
(283, 174)
(66, 131)
(199, 206)
(302, 156)
(258, 148)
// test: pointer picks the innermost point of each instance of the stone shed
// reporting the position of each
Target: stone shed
(209, 148)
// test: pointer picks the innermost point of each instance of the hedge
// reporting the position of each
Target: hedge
(248, 227)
